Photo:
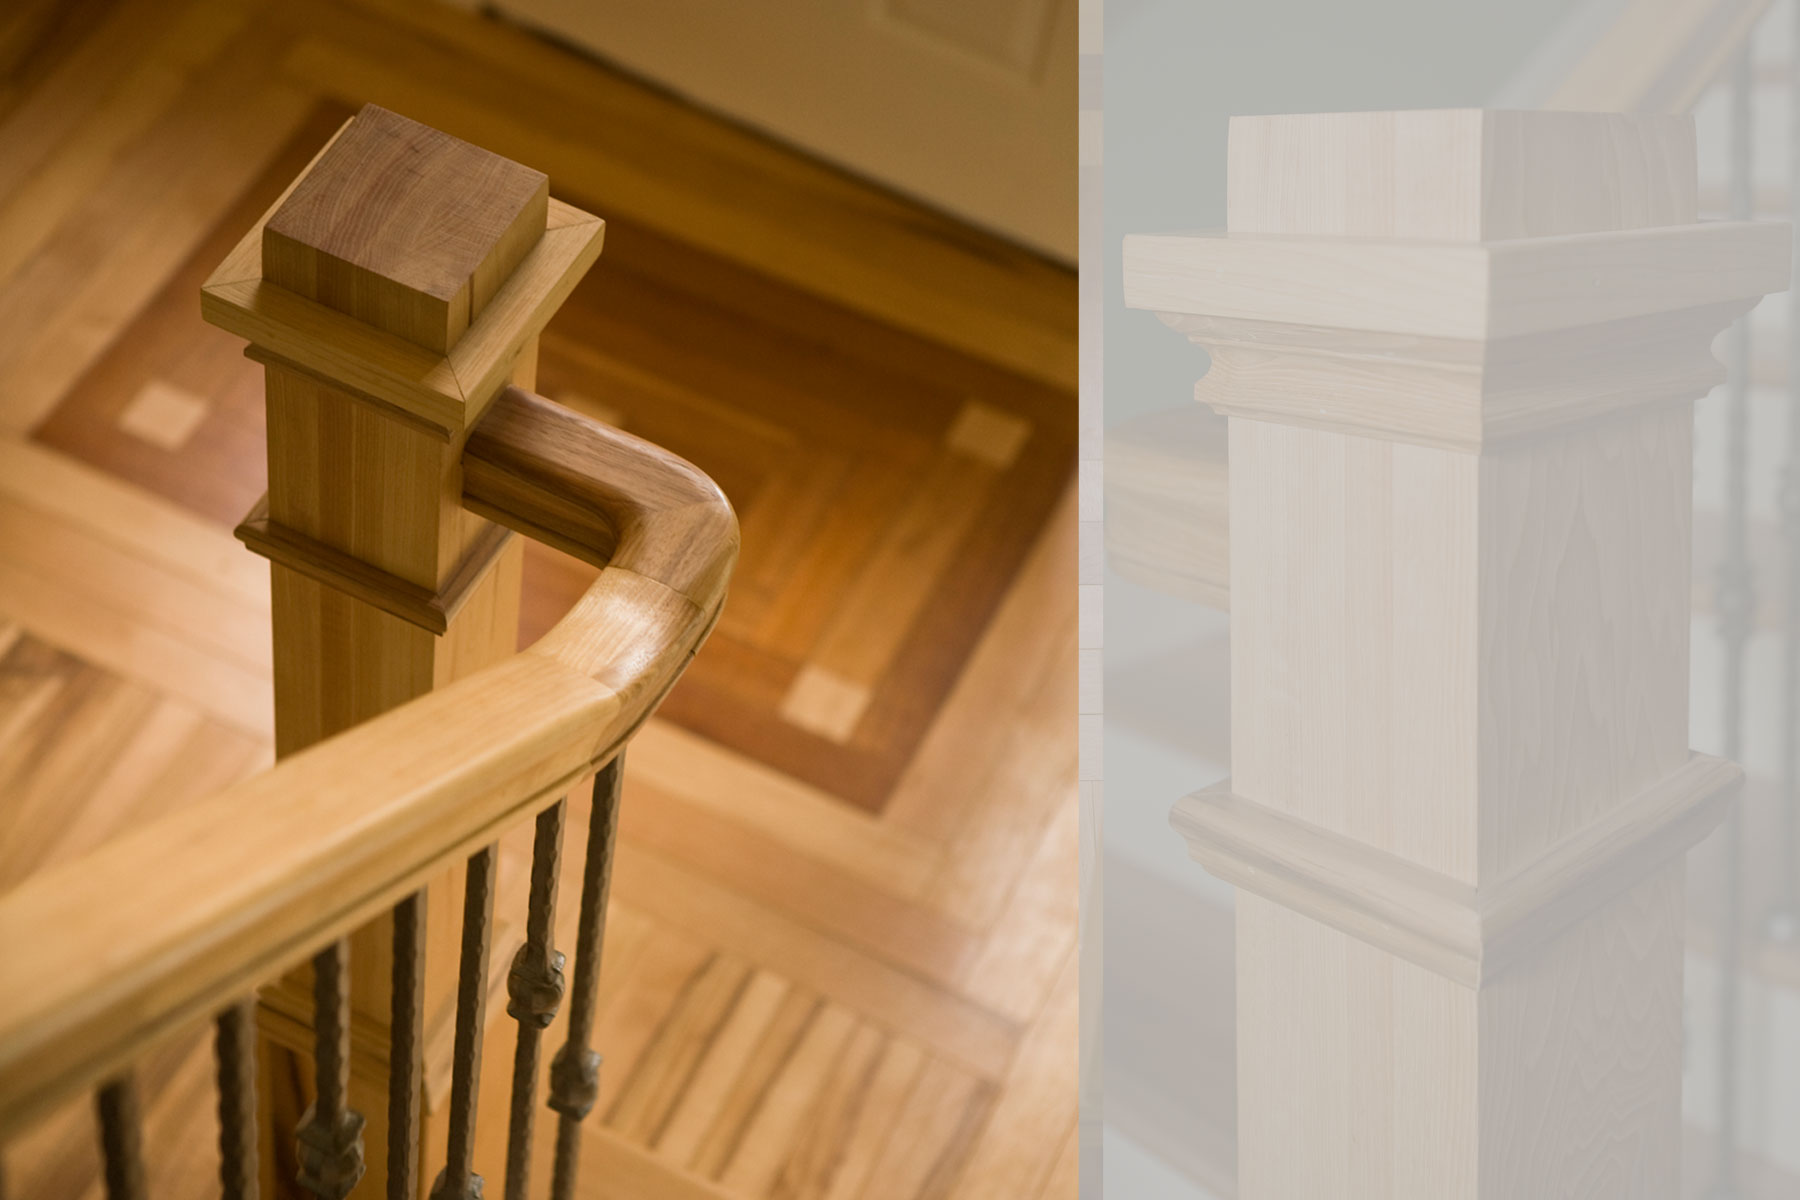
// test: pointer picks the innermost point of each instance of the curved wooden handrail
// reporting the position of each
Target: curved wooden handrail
(202, 906)
(601, 495)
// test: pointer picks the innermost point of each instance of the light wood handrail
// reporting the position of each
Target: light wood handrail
(215, 899)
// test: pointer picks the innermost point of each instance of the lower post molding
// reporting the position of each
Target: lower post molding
(1465, 933)
(429, 610)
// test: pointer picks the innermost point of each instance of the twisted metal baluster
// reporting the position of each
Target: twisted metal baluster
(534, 989)
(458, 1181)
(234, 1046)
(1737, 605)
(575, 1072)
(1783, 923)
(406, 1061)
(121, 1140)
(330, 1138)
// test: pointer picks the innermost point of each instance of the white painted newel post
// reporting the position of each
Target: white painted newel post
(1459, 352)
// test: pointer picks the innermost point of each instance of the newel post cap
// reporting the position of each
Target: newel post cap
(1457, 277)
(405, 228)
(405, 266)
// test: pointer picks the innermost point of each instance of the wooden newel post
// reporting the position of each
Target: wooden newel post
(391, 294)
(1459, 351)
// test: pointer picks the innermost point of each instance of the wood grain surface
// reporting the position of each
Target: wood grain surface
(825, 351)
(406, 228)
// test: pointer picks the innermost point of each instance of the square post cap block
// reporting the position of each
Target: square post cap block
(1459, 175)
(405, 228)
(391, 223)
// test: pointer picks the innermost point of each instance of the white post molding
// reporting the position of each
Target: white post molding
(1459, 352)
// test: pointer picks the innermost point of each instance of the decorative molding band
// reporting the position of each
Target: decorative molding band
(1454, 393)
(1591, 866)
(430, 611)
(1476, 291)
(1465, 933)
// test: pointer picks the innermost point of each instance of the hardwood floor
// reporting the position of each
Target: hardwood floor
(888, 487)
(841, 961)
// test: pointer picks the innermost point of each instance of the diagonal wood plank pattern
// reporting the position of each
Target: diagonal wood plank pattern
(840, 964)
(888, 488)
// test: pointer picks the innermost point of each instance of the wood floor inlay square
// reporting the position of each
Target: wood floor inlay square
(825, 703)
(888, 487)
(163, 415)
(989, 434)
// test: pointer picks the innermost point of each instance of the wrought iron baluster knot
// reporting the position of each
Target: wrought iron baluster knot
(440, 1190)
(331, 1153)
(534, 985)
(574, 1081)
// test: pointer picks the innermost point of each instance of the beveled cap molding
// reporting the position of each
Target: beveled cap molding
(1466, 933)
(1473, 291)
(1456, 344)
(1454, 393)
(447, 391)
(429, 610)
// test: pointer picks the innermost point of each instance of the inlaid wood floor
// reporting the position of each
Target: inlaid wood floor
(841, 960)
(888, 487)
